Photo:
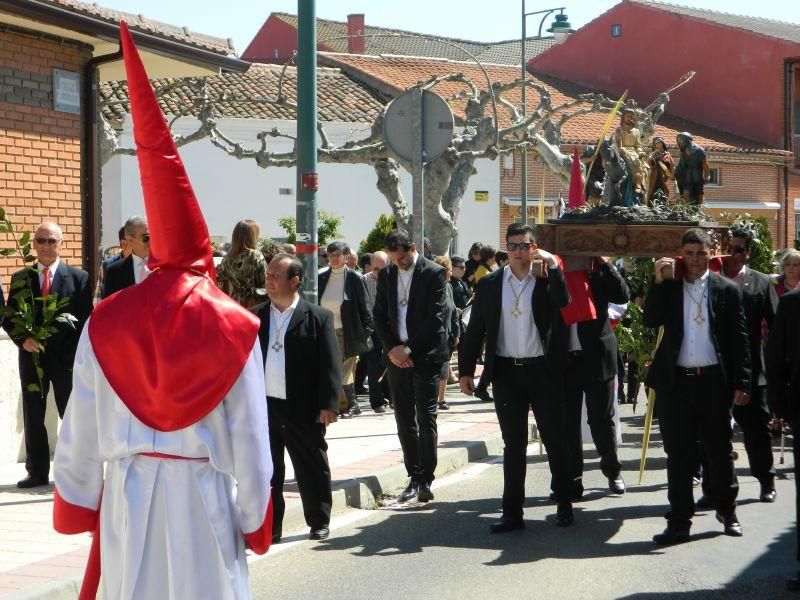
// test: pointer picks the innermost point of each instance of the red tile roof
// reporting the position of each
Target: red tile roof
(394, 74)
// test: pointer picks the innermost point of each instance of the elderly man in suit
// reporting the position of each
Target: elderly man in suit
(700, 370)
(410, 316)
(515, 311)
(133, 268)
(57, 278)
(303, 377)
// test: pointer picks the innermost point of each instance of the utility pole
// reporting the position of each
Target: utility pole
(307, 176)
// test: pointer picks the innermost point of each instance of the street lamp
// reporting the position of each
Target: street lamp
(560, 29)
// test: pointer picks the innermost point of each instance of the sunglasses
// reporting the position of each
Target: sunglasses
(522, 246)
(48, 241)
(738, 250)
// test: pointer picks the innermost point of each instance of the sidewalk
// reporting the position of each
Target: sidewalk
(366, 463)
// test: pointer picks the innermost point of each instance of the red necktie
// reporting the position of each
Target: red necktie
(46, 282)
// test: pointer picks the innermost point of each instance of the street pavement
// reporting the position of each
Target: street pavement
(444, 550)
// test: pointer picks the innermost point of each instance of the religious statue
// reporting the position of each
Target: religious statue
(595, 177)
(661, 169)
(628, 141)
(692, 170)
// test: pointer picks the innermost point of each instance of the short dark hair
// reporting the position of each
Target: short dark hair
(458, 261)
(121, 233)
(397, 239)
(295, 266)
(340, 247)
(487, 252)
(501, 255)
(475, 248)
(695, 235)
(519, 229)
(365, 259)
(746, 235)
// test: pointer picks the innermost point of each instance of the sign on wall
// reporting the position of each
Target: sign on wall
(66, 91)
(481, 196)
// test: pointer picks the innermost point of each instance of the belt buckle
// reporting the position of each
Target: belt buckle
(519, 362)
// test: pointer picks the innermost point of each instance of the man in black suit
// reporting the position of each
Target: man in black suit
(303, 376)
(133, 269)
(782, 363)
(700, 369)
(58, 354)
(591, 369)
(343, 292)
(409, 316)
(515, 310)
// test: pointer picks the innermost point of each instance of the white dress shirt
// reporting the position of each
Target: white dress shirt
(275, 368)
(518, 336)
(404, 291)
(52, 272)
(739, 278)
(140, 270)
(697, 347)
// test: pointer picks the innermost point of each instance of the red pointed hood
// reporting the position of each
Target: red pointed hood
(173, 345)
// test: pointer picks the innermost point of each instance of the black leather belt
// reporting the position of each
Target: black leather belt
(697, 371)
(575, 353)
(520, 362)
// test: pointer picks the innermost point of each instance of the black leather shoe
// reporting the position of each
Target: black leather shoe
(768, 493)
(276, 537)
(425, 494)
(319, 534)
(504, 525)
(483, 396)
(32, 481)
(444, 406)
(380, 409)
(793, 583)
(732, 525)
(410, 492)
(345, 414)
(355, 410)
(672, 535)
(616, 485)
(564, 515)
(704, 503)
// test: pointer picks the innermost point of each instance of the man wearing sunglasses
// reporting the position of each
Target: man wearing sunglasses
(133, 269)
(57, 355)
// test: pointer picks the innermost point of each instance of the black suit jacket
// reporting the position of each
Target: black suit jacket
(664, 306)
(426, 318)
(760, 303)
(357, 323)
(597, 338)
(2, 301)
(783, 358)
(68, 282)
(118, 276)
(313, 364)
(549, 295)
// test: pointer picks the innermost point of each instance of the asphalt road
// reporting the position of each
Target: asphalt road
(444, 550)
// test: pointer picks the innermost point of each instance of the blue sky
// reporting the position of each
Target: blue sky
(241, 19)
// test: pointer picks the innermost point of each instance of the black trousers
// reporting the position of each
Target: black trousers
(518, 390)
(34, 406)
(414, 392)
(376, 365)
(600, 405)
(796, 454)
(308, 452)
(698, 406)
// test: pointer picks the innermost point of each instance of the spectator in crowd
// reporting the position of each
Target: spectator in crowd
(428, 253)
(472, 263)
(789, 279)
(453, 332)
(362, 368)
(303, 377)
(487, 262)
(269, 248)
(365, 263)
(516, 312)
(57, 356)
(410, 320)
(500, 259)
(461, 291)
(760, 303)
(244, 270)
(132, 269)
(289, 248)
(351, 260)
(322, 259)
(699, 370)
(343, 292)
(124, 252)
(376, 360)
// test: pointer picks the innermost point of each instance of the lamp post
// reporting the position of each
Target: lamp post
(560, 29)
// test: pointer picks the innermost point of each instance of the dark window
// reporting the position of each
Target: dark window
(713, 177)
(616, 30)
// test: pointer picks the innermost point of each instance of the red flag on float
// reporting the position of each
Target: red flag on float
(576, 195)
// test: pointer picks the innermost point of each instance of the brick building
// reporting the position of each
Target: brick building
(49, 51)
(747, 82)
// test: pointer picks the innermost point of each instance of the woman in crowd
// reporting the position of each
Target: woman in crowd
(789, 278)
(487, 258)
(452, 324)
(472, 263)
(243, 270)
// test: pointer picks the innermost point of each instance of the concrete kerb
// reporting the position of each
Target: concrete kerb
(59, 588)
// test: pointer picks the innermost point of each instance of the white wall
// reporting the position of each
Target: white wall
(230, 190)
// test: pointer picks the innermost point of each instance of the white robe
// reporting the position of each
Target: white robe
(170, 529)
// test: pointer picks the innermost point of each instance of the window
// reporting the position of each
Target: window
(616, 30)
(713, 177)
(797, 225)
